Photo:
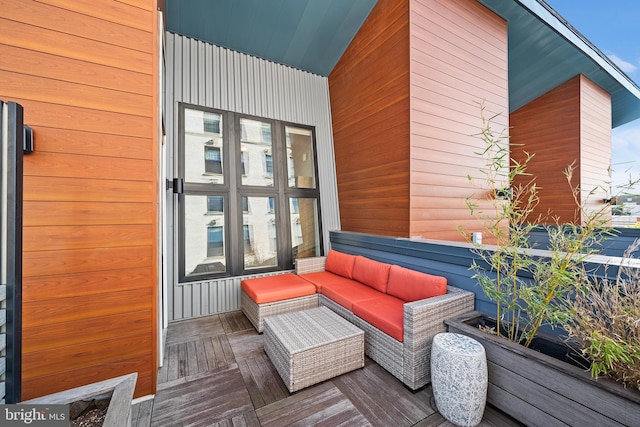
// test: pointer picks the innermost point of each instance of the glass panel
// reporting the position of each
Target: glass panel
(215, 241)
(256, 150)
(204, 243)
(305, 234)
(215, 203)
(244, 163)
(203, 147)
(259, 232)
(300, 166)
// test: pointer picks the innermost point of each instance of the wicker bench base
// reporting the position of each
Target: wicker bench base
(257, 312)
(310, 346)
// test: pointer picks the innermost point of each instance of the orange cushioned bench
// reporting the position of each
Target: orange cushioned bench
(270, 295)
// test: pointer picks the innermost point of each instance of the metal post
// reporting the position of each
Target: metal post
(11, 244)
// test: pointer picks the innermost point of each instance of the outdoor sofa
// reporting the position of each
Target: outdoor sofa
(399, 309)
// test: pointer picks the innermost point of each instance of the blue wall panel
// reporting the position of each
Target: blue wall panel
(614, 245)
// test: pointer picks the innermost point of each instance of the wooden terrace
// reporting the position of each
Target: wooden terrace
(216, 373)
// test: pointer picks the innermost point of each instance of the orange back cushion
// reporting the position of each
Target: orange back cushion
(410, 285)
(372, 273)
(340, 263)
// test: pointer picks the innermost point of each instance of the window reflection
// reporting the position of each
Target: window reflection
(259, 232)
(300, 162)
(204, 240)
(203, 147)
(256, 153)
(305, 237)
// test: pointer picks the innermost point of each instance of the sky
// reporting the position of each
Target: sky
(614, 27)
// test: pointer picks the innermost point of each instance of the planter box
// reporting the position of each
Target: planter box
(537, 389)
(120, 388)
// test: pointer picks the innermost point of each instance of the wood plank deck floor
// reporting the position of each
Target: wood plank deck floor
(216, 373)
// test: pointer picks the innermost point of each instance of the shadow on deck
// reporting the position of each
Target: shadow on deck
(216, 373)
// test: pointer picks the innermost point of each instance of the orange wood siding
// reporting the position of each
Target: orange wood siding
(569, 124)
(549, 128)
(458, 61)
(369, 91)
(85, 72)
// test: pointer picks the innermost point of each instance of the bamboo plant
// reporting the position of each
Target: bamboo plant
(531, 289)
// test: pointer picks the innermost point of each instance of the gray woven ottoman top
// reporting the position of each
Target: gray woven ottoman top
(302, 330)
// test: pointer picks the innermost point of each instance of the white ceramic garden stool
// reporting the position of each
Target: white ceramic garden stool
(459, 378)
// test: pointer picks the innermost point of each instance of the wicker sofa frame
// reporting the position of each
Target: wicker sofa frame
(410, 360)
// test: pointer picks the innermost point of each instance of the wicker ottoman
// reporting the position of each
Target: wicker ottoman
(269, 295)
(459, 378)
(310, 346)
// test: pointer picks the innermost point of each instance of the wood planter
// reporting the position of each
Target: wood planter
(120, 388)
(537, 389)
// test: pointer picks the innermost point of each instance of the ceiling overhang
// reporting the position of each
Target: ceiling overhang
(311, 35)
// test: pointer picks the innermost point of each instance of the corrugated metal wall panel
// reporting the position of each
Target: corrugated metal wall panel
(203, 74)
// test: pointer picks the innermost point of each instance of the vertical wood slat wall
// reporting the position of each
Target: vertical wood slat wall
(85, 72)
(458, 62)
(203, 74)
(570, 124)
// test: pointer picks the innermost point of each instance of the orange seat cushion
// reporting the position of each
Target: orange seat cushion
(411, 285)
(371, 273)
(320, 278)
(346, 294)
(277, 288)
(384, 312)
(340, 263)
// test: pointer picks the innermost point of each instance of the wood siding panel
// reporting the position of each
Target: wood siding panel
(369, 90)
(458, 62)
(44, 263)
(44, 188)
(141, 18)
(89, 167)
(85, 72)
(68, 141)
(54, 238)
(549, 128)
(51, 383)
(595, 145)
(66, 334)
(94, 28)
(68, 309)
(86, 355)
(74, 94)
(60, 116)
(39, 288)
(87, 213)
(57, 68)
(75, 47)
